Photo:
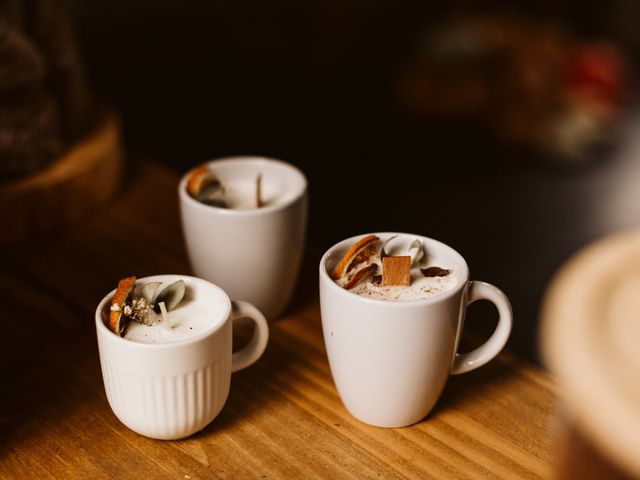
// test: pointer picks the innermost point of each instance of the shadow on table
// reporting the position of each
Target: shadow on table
(247, 400)
(46, 387)
(469, 390)
(282, 371)
(306, 292)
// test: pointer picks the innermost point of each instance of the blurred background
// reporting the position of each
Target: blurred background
(506, 129)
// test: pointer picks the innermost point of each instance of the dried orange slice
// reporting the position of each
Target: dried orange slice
(360, 251)
(199, 178)
(117, 321)
(360, 275)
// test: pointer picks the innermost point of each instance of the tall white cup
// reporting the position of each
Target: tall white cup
(254, 254)
(390, 359)
(172, 390)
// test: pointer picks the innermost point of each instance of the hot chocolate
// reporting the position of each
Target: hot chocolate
(366, 270)
(158, 312)
(188, 320)
(243, 190)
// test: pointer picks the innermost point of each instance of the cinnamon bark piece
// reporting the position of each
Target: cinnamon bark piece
(396, 270)
(435, 272)
(259, 202)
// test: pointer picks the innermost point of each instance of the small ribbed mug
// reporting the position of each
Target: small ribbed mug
(171, 390)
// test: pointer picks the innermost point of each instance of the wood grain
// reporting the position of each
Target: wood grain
(283, 418)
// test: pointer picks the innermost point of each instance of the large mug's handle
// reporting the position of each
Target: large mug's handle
(465, 362)
(256, 346)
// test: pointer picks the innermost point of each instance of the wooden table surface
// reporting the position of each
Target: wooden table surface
(283, 418)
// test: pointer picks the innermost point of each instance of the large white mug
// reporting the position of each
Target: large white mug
(174, 389)
(391, 359)
(254, 254)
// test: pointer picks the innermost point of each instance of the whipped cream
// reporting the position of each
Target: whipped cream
(240, 194)
(189, 319)
(421, 287)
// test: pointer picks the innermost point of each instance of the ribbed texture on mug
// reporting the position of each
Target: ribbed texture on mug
(167, 406)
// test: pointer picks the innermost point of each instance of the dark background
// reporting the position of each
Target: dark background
(316, 84)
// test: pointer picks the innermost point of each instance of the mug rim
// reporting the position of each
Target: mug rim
(188, 199)
(210, 331)
(327, 280)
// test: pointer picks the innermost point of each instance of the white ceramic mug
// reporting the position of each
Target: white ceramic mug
(172, 390)
(254, 254)
(389, 359)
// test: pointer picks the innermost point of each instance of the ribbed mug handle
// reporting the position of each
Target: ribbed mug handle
(258, 343)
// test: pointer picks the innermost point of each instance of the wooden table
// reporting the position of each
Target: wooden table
(283, 418)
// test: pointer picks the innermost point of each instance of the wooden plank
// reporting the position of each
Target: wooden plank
(283, 418)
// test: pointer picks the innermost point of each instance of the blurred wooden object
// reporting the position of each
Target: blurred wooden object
(581, 459)
(283, 417)
(590, 341)
(66, 191)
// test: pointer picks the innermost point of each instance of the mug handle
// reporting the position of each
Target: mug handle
(465, 362)
(256, 346)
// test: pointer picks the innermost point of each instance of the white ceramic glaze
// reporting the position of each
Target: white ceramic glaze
(253, 254)
(590, 336)
(172, 390)
(390, 360)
